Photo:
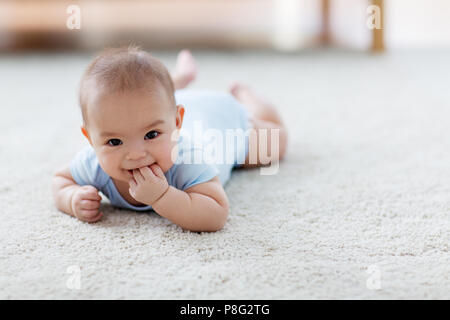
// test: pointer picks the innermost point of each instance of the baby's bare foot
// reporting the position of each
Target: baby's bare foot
(257, 105)
(246, 95)
(185, 69)
(240, 91)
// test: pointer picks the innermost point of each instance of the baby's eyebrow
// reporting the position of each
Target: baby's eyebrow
(111, 134)
(154, 123)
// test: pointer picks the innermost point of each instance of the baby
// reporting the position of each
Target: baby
(140, 158)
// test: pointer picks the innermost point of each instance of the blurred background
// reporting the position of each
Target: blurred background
(274, 24)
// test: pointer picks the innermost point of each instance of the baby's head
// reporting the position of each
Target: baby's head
(129, 111)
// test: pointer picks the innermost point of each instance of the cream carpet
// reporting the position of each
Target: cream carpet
(359, 209)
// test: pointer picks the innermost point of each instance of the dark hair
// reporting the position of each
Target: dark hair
(121, 69)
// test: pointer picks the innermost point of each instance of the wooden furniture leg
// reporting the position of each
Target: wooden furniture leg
(378, 34)
(325, 32)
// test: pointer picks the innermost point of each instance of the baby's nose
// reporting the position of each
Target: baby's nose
(136, 153)
(135, 156)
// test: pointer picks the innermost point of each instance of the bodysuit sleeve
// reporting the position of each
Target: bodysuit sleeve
(86, 170)
(188, 172)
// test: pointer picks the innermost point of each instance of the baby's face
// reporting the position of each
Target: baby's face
(133, 129)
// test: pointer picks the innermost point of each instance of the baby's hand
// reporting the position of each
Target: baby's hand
(85, 203)
(149, 184)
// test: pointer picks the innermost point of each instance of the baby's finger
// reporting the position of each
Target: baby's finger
(146, 172)
(138, 176)
(132, 193)
(95, 218)
(132, 179)
(132, 184)
(90, 204)
(88, 215)
(91, 194)
(157, 170)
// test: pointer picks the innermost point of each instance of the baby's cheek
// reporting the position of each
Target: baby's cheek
(109, 164)
(166, 161)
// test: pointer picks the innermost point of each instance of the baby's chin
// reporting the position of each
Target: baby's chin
(121, 175)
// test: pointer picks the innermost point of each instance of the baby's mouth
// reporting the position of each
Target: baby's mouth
(131, 170)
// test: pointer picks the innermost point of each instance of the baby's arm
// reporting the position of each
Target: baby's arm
(81, 202)
(203, 207)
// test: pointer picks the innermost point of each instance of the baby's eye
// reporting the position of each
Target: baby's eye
(151, 134)
(114, 142)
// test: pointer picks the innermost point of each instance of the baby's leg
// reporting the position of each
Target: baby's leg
(265, 117)
(185, 70)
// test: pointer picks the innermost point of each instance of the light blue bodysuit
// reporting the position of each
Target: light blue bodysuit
(208, 117)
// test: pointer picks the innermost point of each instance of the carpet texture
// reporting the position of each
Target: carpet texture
(358, 209)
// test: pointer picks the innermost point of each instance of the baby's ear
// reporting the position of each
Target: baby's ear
(86, 134)
(180, 116)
